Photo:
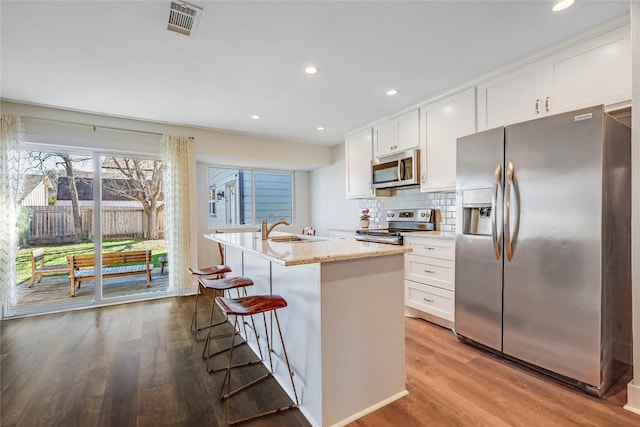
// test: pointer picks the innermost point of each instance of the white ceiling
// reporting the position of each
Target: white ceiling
(247, 58)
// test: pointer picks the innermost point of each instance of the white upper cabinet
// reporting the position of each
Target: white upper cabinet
(510, 98)
(358, 155)
(444, 122)
(597, 71)
(398, 134)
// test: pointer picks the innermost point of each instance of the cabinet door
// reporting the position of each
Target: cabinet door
(408, 128)
(401, 133)
(358, 155)
(511, 98)
(595, 72)
(445, 121)
(384, 138)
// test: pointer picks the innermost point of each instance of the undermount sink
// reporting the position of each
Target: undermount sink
(293, 239)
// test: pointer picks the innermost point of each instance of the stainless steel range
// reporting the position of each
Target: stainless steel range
(399, 221)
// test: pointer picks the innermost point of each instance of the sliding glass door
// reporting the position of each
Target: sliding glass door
(77, 208)
(133, 248)
(55, 222)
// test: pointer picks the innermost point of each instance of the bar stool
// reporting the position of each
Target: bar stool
(249, 306)
(216, 271)
(222, 285)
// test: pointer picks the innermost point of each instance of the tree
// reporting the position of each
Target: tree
(44, 161)
(143, 183)
(73, 190)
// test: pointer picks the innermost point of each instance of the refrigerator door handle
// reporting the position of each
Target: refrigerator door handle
(510, 243)
(494, 213)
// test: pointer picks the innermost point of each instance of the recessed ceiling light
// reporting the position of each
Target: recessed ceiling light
(392, 92)
(311, 69)
(562, 5)
(320, 128)
(255, 117)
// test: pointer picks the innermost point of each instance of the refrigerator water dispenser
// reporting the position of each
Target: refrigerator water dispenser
(476, 211)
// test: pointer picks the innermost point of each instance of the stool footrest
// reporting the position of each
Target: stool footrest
(239, 389)
(210, 355)
(237, 365)
(262, 414)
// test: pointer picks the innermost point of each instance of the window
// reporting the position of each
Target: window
(246, 196)
(212, 201)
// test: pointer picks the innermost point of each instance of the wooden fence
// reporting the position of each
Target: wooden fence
(54, 224)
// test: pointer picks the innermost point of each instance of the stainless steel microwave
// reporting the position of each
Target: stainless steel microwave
(396, 170)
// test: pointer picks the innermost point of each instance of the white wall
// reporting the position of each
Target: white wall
(633, 389)
(329, 206)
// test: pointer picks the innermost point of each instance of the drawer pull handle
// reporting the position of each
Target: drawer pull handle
(430, 271)
(430, 248)
(428, 300)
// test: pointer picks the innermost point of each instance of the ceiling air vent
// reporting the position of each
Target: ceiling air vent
(183, 17)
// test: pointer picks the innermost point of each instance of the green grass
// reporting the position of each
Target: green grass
(57, 254)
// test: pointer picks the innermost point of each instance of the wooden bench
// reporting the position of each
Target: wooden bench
(81, 267)
(38, 269)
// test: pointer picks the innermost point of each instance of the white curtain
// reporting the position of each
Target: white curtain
(178, 162)
(9, 184)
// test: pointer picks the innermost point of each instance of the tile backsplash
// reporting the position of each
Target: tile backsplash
(412, 198)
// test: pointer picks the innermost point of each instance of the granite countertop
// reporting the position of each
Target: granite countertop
(316, 250)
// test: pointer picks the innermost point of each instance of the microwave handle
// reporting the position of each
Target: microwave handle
(401, 170)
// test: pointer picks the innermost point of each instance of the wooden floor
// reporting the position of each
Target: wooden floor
(138, 365)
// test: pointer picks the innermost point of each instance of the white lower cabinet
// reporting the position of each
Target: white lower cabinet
(429, 299)
(429, 285)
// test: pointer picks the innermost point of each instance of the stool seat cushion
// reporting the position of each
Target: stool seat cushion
(247, 306)
(224, 284)
(209, 271)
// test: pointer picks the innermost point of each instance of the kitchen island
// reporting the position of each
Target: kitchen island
(344, 323)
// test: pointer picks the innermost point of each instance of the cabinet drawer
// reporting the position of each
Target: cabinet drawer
(430, 271)
(436, 248)
(428, 299)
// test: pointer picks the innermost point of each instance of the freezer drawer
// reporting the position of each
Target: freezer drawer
(430, 271)
(429, 299)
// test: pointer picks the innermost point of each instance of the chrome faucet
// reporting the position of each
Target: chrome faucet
(266, 231)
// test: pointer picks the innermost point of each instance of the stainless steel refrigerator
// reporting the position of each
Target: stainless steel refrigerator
(543, 245)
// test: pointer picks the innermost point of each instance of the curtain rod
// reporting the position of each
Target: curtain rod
(96, 126)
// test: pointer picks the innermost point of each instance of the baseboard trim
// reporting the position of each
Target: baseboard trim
(633, 398)
(371, 409)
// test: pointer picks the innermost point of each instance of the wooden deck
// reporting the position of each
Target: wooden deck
(56, 289)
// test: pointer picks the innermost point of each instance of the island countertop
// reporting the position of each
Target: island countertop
(313, 250)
